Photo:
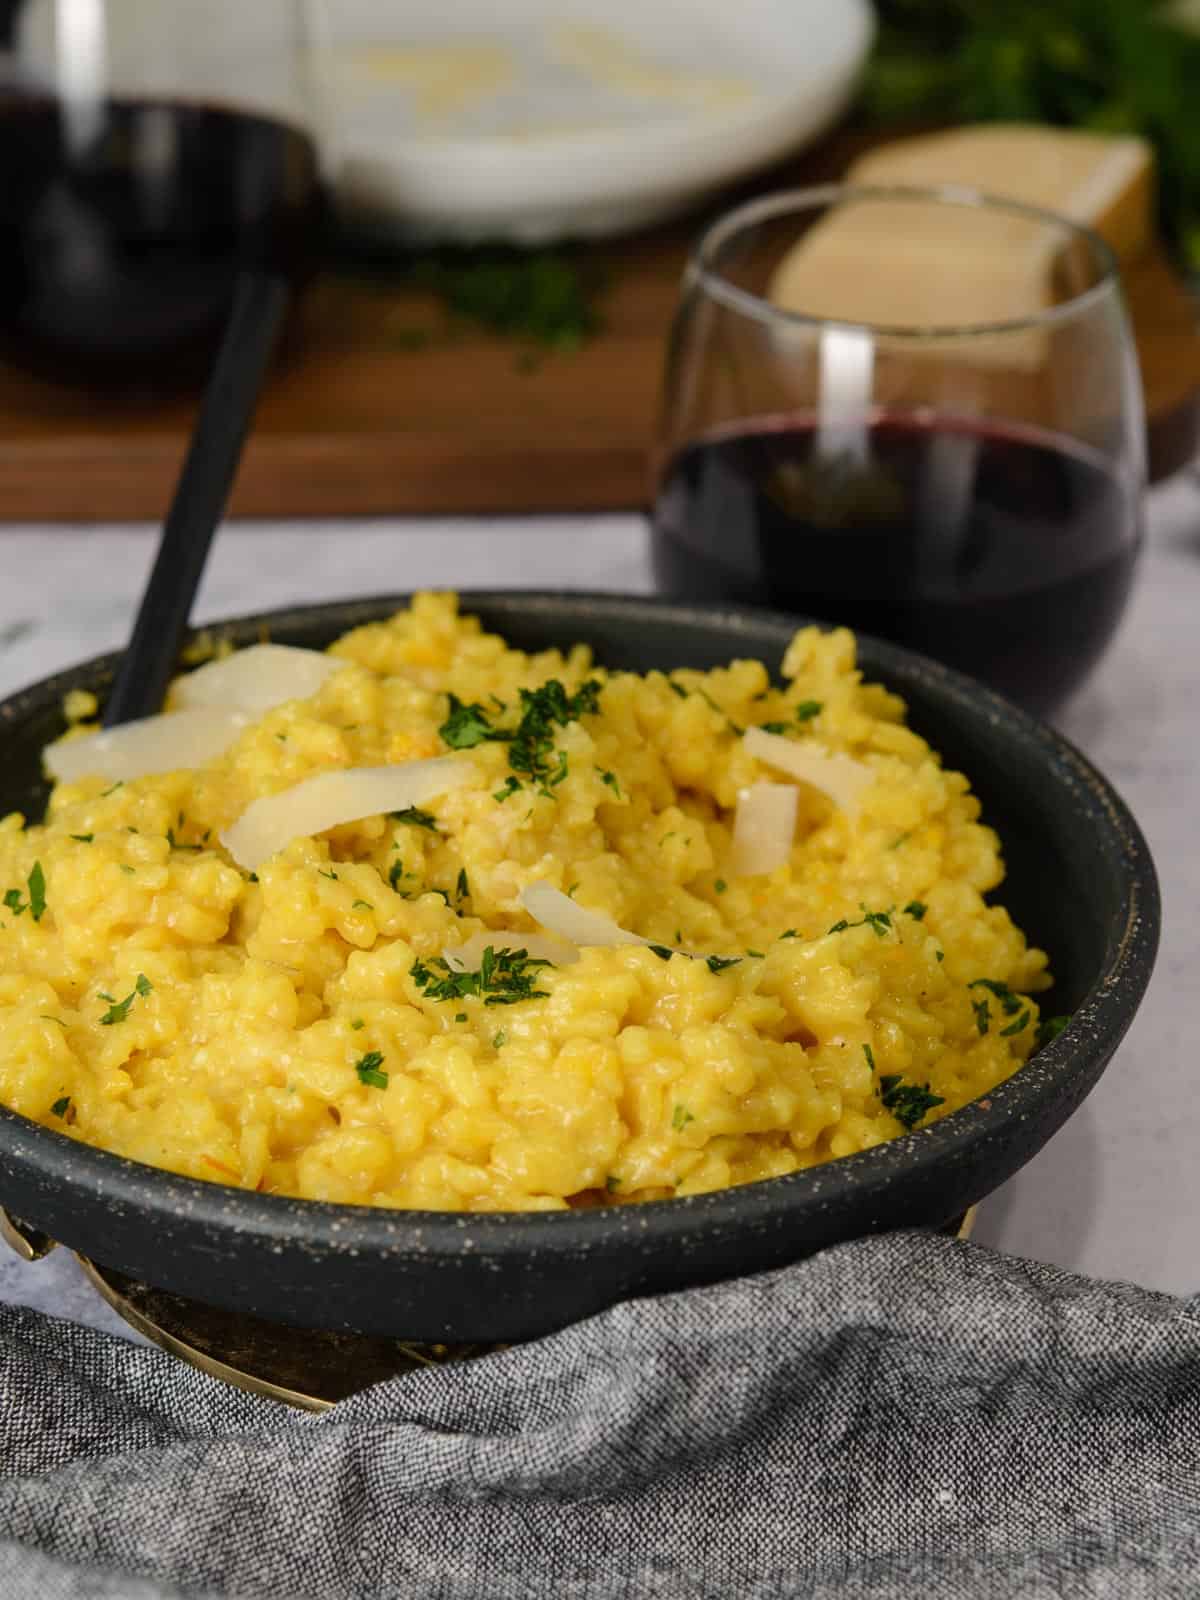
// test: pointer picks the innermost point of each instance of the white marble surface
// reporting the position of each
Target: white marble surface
(1117, 1193)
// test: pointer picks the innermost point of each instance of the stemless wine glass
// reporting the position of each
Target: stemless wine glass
(916, 412)
(150, 150)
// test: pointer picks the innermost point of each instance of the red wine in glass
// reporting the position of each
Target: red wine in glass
(862, 424)
(120, 245)
(1003, 550)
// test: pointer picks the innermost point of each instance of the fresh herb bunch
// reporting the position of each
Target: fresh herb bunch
(1112, 66)
(543, 296)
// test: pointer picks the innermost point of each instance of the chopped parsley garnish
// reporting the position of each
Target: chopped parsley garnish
(252, 878)
(416, 818)
(330, 874)
(368, 1071)
(499, 1039)
(612, 1183)
(83, 838)
(120, 784)
(983, 1016)
(870, 1055)
(175, 844)
(1016, 1027)
(559, 773)
(719, 963)
(544, 298)
(1049, 1028)
(757, 954)
(127, 869)
(357, 1024)
(395, 873)
(789, 933)
(35, 886)
(680, 1118)
(511, 786)
(879, 922)
(466, 726)
(709, 701)
(461, 1017)
(571, 891)
(908, 1102)
(462, 889)
(118, 1010)
(610, 778)
(1009, 1001)
(362, 905)
(444, 895)
(916, 910)
(804, 712)
(900, 839)
(720, 886)
(661, 951)
(505, 977)
(531, 753)
(61, 1107)
(541, 711)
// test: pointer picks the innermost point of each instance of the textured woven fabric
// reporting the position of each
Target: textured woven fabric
(901, 1417)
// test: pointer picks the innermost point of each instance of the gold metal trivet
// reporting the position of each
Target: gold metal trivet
(25, 1241)
(309, 1368)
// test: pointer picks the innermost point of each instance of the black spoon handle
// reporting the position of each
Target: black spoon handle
(149, 662)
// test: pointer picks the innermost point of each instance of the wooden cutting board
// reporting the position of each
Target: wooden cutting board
(356, 422)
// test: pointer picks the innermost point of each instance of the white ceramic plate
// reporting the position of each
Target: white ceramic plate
(540, 119)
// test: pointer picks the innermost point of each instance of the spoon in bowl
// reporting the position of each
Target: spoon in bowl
(226, 412)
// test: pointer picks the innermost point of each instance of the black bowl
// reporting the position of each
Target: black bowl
(1081, 883)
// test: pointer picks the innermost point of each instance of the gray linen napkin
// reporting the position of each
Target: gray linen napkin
(900, 1417)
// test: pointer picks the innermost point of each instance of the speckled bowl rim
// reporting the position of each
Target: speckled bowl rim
(1097, 1025)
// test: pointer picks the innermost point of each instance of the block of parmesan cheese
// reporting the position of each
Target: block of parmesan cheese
(1104, 181)
(892, 263)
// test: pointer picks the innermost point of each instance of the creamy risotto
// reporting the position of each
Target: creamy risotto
(635, 937)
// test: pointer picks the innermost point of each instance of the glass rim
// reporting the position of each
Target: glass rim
(703, 269)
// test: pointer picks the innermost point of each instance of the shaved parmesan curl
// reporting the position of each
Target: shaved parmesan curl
(333, 798)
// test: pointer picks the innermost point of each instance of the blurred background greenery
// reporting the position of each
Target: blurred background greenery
(1117, 66)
